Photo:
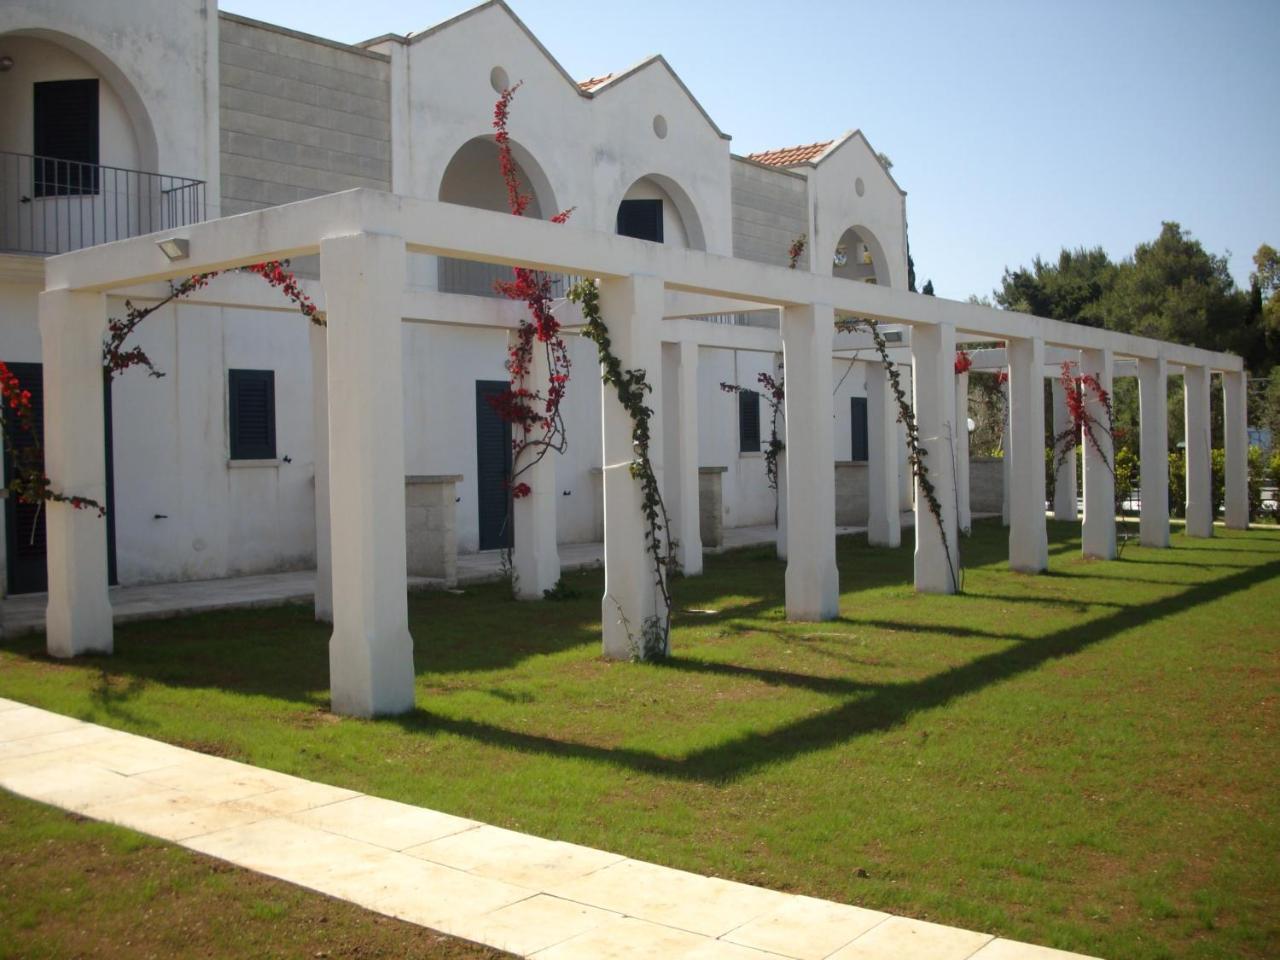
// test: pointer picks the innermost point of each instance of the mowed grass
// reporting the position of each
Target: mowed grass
(1085, 759)
(70, 887)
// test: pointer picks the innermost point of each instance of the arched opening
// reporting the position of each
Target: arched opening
(78, 155)
(657, 208)
(473, 178)
(859, 256)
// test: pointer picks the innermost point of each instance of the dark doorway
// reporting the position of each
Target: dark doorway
(493, 466)
(25, 543)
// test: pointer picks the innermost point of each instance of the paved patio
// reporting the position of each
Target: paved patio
(540, 898)
(25, 613)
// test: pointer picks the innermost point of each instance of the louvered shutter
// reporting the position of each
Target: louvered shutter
(252, 409)
(748, 421)
(641, 219)
(858, 411)
(493, 466)
(65, 135)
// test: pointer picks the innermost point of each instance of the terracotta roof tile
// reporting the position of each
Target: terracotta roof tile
(592, 82)
(790, 156)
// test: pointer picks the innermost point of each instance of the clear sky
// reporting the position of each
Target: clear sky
(1016, 127)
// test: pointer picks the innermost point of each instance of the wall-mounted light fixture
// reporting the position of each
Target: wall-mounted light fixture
(175, 248)
(6, 64)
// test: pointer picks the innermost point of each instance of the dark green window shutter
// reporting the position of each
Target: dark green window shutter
(252, 401)
(858, 409)
(748, 421)
(641, 219)
(65, 136)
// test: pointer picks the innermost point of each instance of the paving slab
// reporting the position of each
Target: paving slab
(900, 937)
(515, 857)
(806, 928)
(385, 823)
(534, 924)
(706, 905)
(533, 896)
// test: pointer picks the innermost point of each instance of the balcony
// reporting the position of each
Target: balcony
(51, 206)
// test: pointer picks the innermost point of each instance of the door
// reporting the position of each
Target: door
(493, 466)
(25, 545)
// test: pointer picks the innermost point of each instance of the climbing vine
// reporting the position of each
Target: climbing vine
(775, 395)
(632, 388)
(1085, 427)
(915, 452)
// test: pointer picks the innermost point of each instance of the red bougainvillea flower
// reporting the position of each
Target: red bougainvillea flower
(963, 362)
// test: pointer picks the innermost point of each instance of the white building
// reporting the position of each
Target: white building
(124, 117)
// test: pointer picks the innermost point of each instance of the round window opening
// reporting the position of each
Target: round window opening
(859, 187)
(660, 126)
(498, 79)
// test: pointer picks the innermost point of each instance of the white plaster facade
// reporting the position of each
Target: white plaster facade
(264, 115)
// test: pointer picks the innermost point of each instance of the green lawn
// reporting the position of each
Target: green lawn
(1085, 759)
(70, 887)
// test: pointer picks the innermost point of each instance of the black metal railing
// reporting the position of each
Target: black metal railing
(52, 206)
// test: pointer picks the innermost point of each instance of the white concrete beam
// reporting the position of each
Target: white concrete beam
(1065, 489)
(1099, 528)
(812, 581)
(1236, 450)
(370, 653)
(535, 558)
(884, 521)
(1153, 412)
(78, 615)
(1028, 538)
(937, 557)
(631, 308)
(680, 426)
(1195, 398)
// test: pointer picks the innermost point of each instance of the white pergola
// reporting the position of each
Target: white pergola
(363, 238)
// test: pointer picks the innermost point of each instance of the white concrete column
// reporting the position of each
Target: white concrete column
(933, 358)
(1098, 533)
(1064, 478)
(78, 615)
(1195, 398)
(680, 424)
(964, 515)
(1236, 449)
(535, 558)
(884, 521)
(631, 307)
(320, 429)
(1153, 414)
(1006, 463)
(812, 580)
(370, 652)
(780, 495)
(1028, 538)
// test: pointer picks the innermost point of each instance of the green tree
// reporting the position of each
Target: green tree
(1069, 289)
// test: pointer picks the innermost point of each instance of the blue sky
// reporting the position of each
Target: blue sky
(1016, 127)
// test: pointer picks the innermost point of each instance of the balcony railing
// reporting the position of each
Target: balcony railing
(477, 279)
(52, 206)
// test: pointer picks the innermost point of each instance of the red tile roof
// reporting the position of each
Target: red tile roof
(790, 156)
(592, 82)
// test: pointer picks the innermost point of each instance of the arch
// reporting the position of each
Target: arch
(473, 178)
(860, 245)
(144, 132)
(682, 204)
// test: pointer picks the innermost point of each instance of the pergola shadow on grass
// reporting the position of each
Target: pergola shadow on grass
(466, 638)
(1072, 759)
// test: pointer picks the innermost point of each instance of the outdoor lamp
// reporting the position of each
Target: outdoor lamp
(175, 248)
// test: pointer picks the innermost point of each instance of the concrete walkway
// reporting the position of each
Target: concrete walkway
(540, 898)
(25, 613)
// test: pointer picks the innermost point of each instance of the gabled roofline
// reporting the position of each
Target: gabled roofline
(587, 94)
(412, 38)
(839, 142)
(647, 62)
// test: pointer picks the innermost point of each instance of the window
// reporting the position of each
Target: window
(748, 421)
(858, 411)
(251, 398)
(65, 137)
(641, 219)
